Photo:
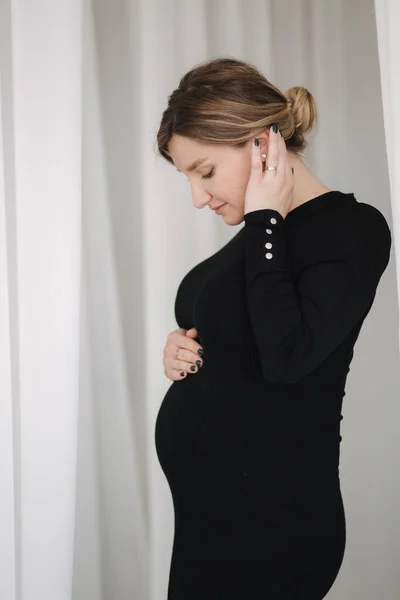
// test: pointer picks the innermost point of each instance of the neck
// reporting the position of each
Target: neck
(306, 185)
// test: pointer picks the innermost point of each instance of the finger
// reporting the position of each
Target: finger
(191, 346)
(256, 163)
(175, 332)
(283, 162)
(175, 375)
(185, 361)
(288, 170)
(192, 332)
(182, 365)
(273, 150)
(175, 359)
(188, 356)
(176, 340)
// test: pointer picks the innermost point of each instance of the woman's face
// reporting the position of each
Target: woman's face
(221, 178)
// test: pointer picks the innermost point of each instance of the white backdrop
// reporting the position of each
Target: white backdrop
(96, 233)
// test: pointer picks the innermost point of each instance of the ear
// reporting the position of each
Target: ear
(264, 141)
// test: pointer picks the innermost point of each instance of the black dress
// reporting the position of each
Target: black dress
(250, 443)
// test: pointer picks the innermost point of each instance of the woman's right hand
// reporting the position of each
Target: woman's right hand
(185, 360)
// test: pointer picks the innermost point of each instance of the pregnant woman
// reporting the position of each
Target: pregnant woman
(248, 434)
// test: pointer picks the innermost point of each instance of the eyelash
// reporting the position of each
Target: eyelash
(209, 175)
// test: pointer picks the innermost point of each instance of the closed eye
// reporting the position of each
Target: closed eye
(209, 175)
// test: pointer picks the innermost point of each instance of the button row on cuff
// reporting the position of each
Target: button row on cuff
(268, 245)
(259, 223)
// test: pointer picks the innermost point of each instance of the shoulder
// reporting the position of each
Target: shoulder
(354, 232)
(367, 236)
(358, 221)
(370, 225)
(372, 218)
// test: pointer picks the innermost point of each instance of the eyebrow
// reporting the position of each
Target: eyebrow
(194, 165)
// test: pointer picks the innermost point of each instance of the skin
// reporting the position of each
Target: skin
(230, 168)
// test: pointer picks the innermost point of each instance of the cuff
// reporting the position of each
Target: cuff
(266, 248)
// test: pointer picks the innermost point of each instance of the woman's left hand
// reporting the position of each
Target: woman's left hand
(270, 189)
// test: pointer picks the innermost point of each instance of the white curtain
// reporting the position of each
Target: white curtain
(387, 25)
(96, 233)
(40, 263)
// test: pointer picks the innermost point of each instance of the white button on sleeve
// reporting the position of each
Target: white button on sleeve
(258, 237)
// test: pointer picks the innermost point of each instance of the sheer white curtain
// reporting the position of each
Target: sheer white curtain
(40, 263)
(387, 24)
(96, 233)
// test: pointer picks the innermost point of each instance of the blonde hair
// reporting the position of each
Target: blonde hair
(228, 101)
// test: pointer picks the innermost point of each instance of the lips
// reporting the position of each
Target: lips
(217, 207)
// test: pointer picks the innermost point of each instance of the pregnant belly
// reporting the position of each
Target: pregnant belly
(221, 427)
(221, 424)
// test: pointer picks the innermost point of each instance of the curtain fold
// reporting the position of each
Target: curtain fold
(387, 25)
(40, 253)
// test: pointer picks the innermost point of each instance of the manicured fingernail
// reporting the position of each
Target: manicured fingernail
(200, 351)
(256, 142)
(275, 128)
(183, 373)
(198, 363)
(192, 368)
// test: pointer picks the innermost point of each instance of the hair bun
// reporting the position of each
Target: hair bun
(228, 101)
(303, 107)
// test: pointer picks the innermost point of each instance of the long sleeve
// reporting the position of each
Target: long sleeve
(298, 321)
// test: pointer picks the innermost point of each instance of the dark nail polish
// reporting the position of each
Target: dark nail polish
(256, 142)
(183, 373)
(275, 128)
(198, 363)
(200, 351)
(192, 368)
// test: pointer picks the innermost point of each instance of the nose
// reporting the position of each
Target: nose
(200, 196)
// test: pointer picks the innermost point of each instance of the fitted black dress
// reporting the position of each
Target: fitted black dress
(250, 444)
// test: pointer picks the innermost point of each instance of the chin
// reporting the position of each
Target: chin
(232, 220)
(233, 217)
